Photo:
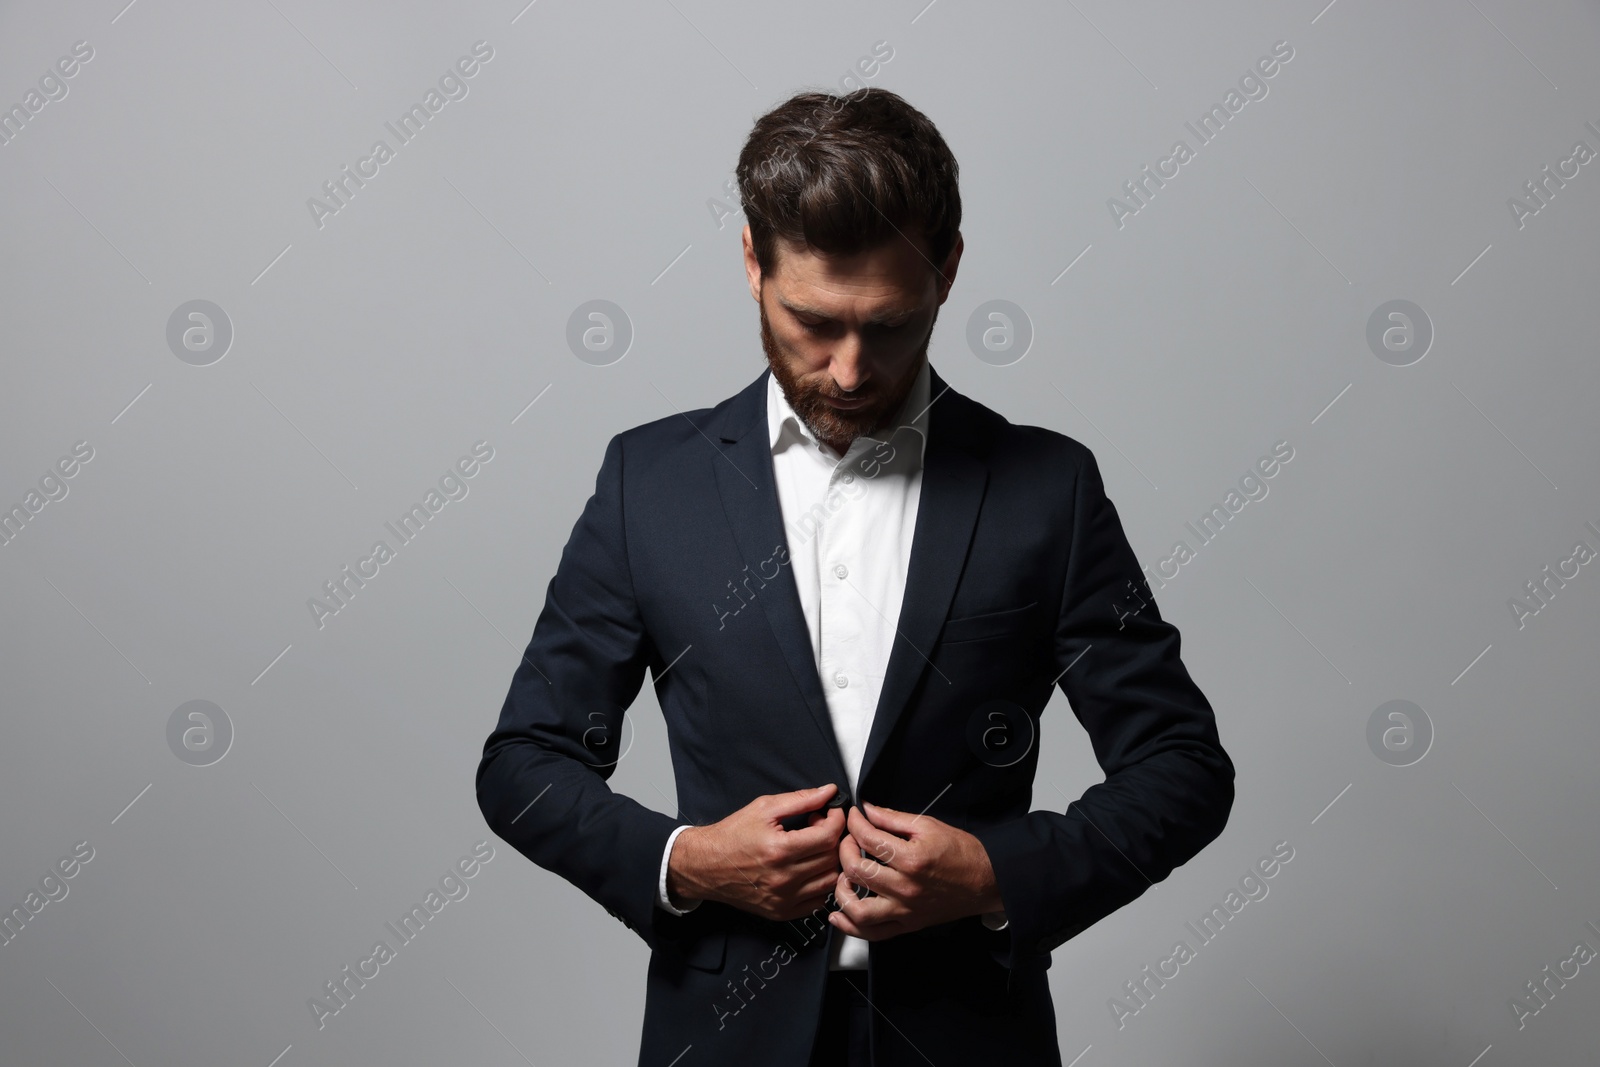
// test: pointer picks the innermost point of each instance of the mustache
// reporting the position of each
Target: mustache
(857, 394)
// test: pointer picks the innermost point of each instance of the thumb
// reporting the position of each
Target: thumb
(784, 805)
(896, 822)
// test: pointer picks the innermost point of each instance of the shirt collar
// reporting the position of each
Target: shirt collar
(782, 421)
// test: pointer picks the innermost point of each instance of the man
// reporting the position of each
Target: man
(897, 580)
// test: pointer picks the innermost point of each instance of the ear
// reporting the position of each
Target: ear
(951, 262)
(752, 266)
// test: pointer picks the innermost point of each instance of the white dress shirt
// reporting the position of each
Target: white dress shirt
(849, 521)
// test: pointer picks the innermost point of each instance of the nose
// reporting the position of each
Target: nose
(846, 365)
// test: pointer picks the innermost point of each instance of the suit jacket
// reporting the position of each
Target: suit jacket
(1020, 579)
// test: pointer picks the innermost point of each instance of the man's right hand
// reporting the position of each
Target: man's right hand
(750, 861)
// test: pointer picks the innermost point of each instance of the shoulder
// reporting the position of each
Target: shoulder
(1007, 445)
(669, 432)
(670, 443)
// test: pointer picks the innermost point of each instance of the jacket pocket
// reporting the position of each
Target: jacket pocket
(989, 624)
(706, 952)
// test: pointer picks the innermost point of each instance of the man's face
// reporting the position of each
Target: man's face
(846, 335)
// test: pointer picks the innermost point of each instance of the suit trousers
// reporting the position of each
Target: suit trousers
(844, 1031)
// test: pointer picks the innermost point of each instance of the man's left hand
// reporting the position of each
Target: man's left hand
(921, 872)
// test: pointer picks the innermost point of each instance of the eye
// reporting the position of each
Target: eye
(814, 327)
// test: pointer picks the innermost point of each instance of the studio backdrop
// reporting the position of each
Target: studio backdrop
(317, 320)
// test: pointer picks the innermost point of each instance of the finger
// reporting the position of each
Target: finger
(878, 877)
(902, 823)
(815, 839)
(825, 863)
(868, 868)
(780, 806)
(879, 932)
(854, 892)
(881, 845)
(845, 892)
(840, 921)
(816, 818)
(819, 885)
(810, 910)
(866, 912)
(848, 851)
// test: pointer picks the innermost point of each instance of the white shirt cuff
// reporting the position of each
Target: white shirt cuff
(995, 920)
(661, 885)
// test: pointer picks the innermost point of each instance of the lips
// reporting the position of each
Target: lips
(846, 405)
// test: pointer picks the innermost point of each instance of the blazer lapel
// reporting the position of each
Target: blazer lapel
(953, 482)
(750, 500)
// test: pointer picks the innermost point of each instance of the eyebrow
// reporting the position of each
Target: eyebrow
(878, 319)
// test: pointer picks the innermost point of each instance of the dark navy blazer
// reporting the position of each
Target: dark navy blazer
(1020, 579)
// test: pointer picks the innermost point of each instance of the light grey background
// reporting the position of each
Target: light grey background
(370, 354)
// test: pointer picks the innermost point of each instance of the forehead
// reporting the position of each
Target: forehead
(891, 277)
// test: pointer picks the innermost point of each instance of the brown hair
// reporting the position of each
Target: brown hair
(842, 173)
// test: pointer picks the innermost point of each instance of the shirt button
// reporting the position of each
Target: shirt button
(841, 570)
(848, 478)
(840, 680)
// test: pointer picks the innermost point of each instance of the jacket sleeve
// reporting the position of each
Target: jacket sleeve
(541, 783)
(1169, 784)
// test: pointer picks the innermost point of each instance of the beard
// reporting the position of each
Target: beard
(826, 422)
